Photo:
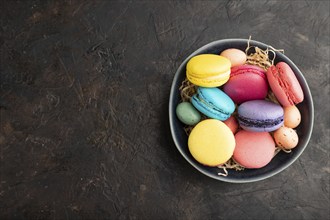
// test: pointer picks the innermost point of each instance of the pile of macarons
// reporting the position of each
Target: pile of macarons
(231, 114)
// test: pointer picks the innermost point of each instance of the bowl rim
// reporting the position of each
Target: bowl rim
(172, 115)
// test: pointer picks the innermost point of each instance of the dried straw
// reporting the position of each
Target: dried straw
(261, 57)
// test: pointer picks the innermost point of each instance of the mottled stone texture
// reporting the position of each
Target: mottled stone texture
(84, 109)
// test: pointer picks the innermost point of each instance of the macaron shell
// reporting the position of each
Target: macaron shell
(253, 149)
(236, 56)
(286, 138)
(292, 116)
(246, 82)
(284, 84)
(211, 142)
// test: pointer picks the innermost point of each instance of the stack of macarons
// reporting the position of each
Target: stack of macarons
(231, 114)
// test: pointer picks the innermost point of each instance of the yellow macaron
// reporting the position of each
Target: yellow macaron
(211, 142)
(208, 70)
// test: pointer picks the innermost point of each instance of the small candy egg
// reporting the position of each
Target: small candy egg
(292, 116)
(236, 56)
(187, 113)
(286, 138)
(232, 123)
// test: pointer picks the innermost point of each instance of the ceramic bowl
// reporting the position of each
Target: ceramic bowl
(282, 160)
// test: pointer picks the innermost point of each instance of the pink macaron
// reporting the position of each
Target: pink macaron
(246, 82)
(285, 84)
(253, 149)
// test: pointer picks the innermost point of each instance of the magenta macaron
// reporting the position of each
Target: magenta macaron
(253, 149)
(246, 82)
(285, 84)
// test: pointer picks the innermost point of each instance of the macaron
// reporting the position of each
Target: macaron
(260, 116)
(187, 114)
(247, 82)
(253, 149)
(285, 84)
(211, 142)
(208, 70)
(286, 138)
(236, 56)
(292, 116)
(232, 123)
(213, 103)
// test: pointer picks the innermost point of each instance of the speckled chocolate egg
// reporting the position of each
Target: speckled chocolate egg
(187, 113)
(292, 116)
(286, 138)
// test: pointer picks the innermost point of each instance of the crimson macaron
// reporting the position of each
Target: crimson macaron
(285, 84)
(253, 149)
(246, 82)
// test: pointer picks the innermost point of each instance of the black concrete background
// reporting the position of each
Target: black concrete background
(84, 109)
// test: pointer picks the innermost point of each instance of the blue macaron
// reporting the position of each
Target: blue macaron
(213, 103)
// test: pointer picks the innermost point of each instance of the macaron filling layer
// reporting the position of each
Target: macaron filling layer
(204, 106)
(247, 68)
(209, 81)
(260, 123)
(223, 75)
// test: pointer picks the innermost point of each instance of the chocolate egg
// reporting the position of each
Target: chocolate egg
(236, 56)
(187, 113)
(292, 116)
(286, 138)
(232, 123)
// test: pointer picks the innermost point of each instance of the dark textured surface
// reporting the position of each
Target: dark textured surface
(84, 122)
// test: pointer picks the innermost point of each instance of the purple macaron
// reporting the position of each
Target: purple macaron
(260, 116)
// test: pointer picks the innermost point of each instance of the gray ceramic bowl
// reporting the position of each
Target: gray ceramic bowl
(282, 160)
